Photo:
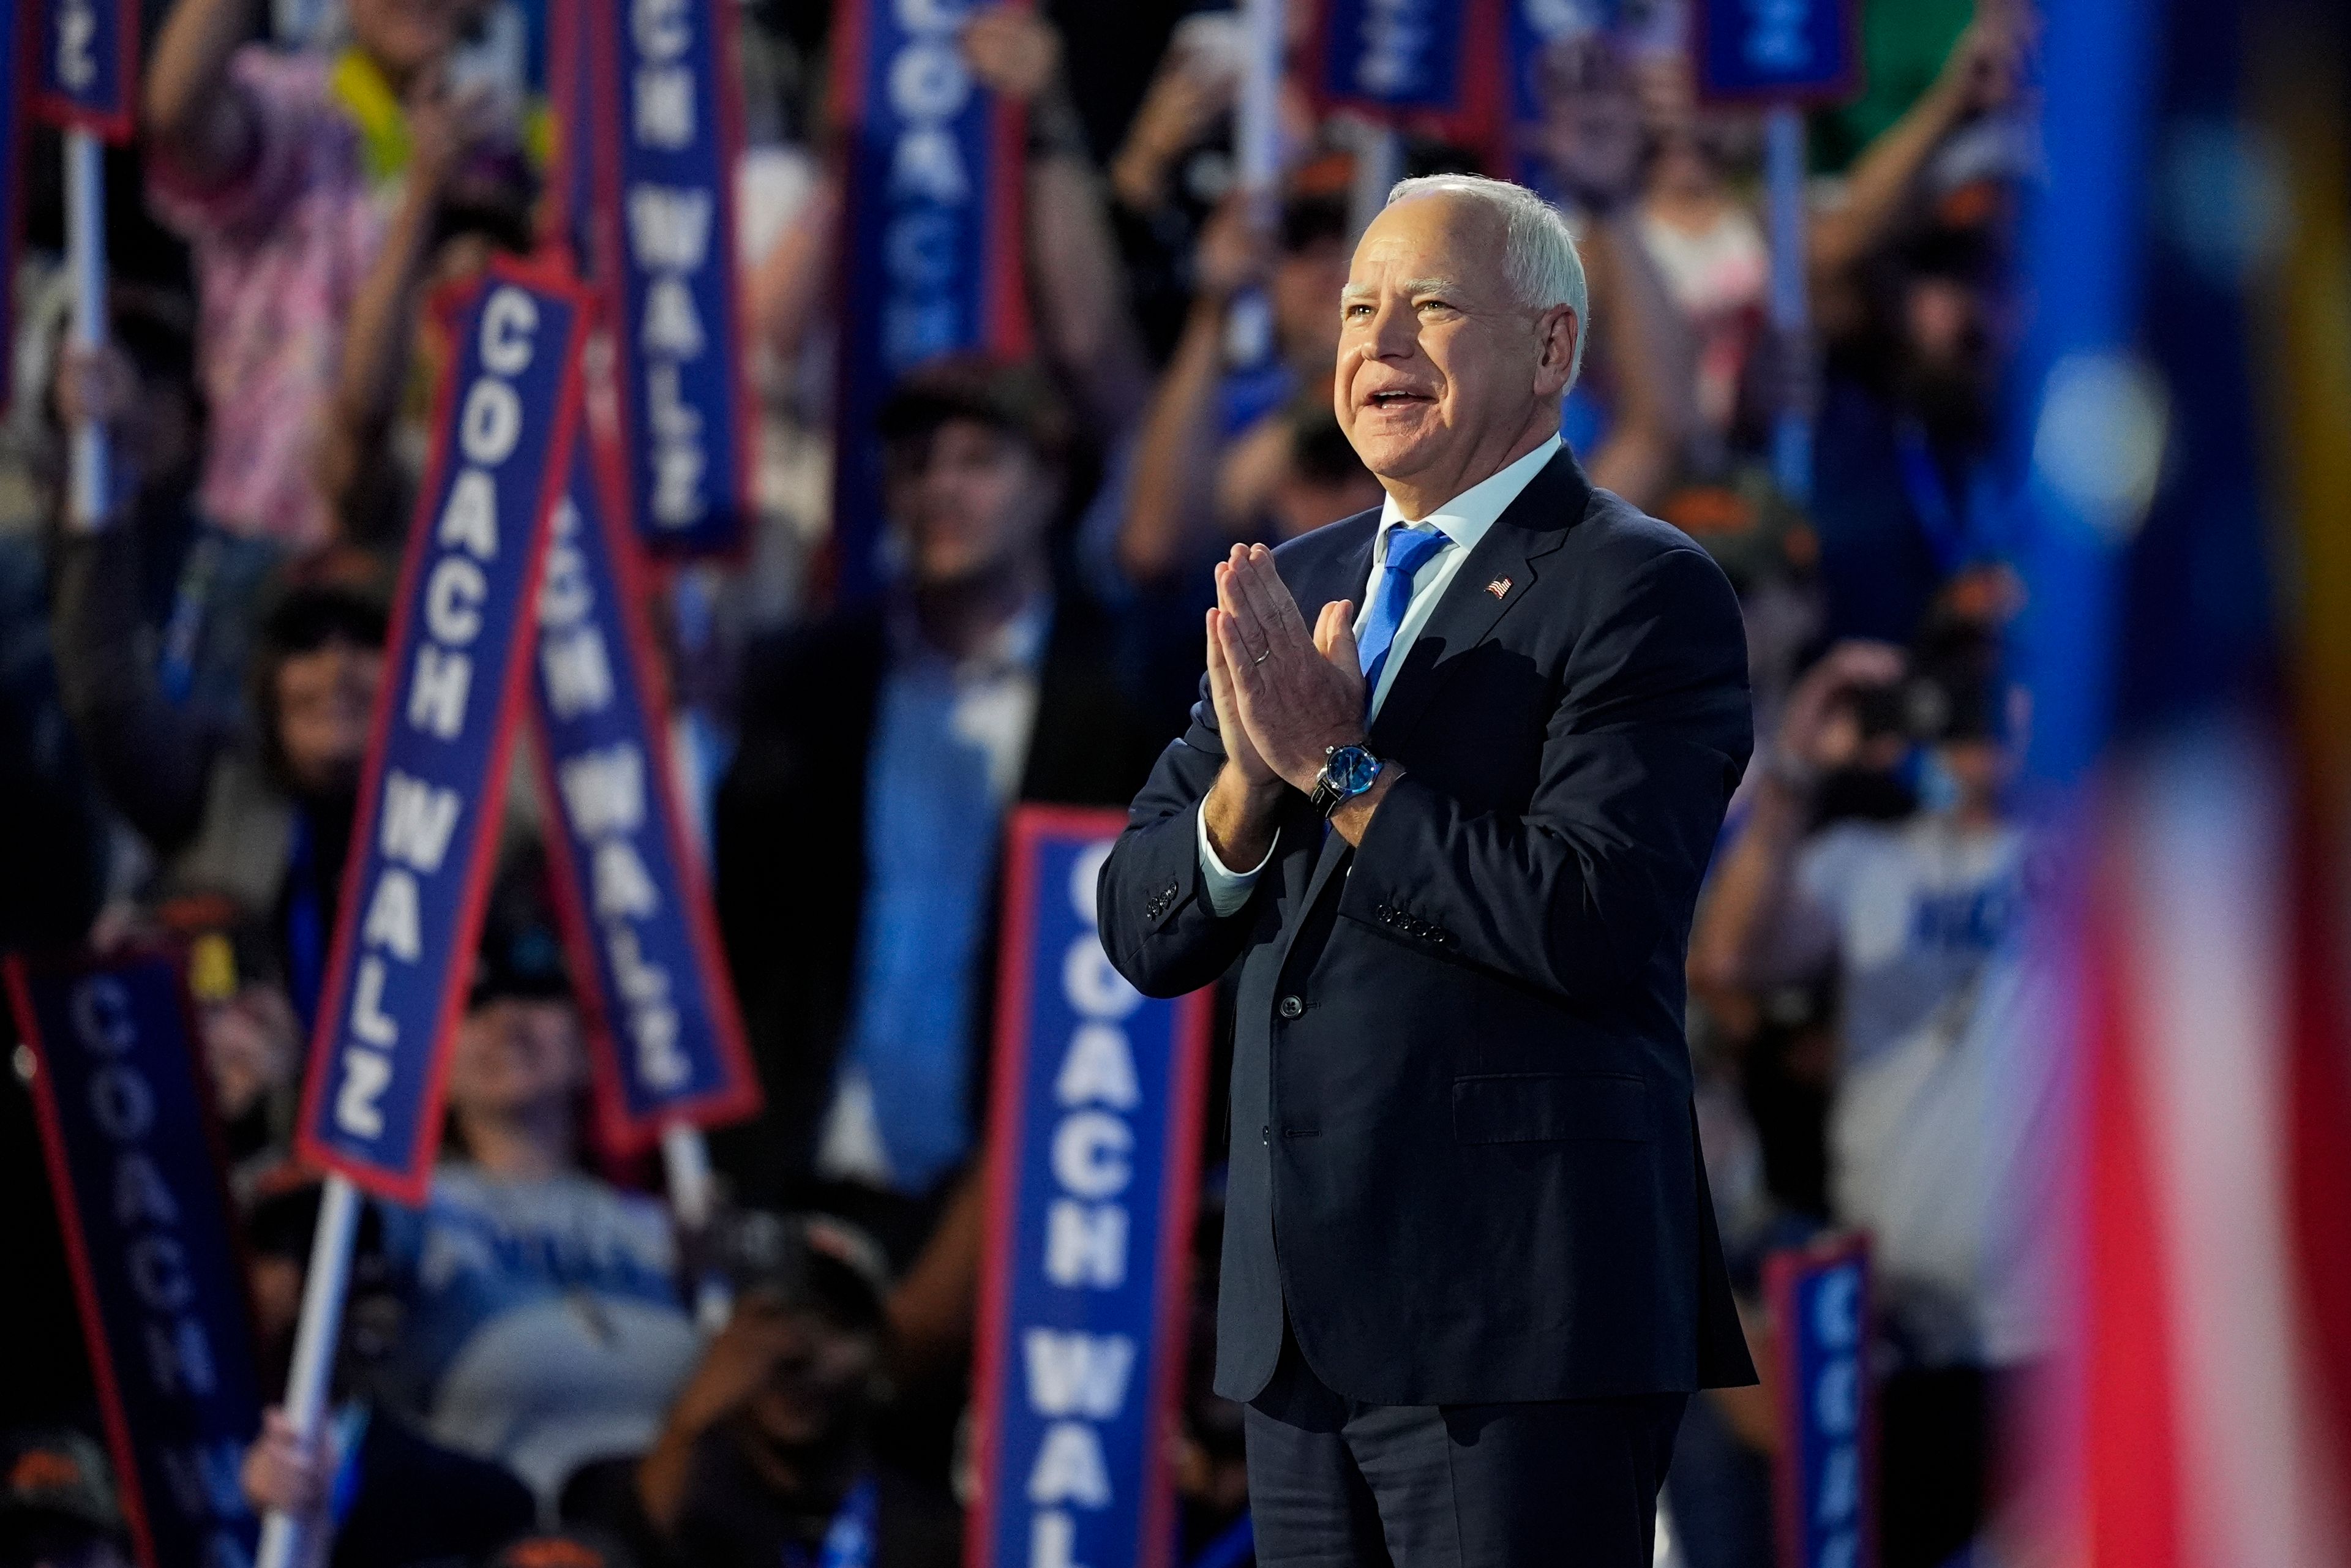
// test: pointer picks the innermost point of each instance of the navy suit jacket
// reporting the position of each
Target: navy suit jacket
(1464, 1155)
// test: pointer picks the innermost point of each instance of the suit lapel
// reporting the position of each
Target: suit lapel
(1532, 527)
(1346, 577)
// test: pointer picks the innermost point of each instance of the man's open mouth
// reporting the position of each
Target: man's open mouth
(1394, 397)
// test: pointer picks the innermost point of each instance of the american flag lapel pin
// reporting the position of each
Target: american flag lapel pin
(1498, 587)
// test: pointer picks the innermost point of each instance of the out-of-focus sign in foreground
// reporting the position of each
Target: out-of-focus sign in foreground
(1094, 1143)
(1826, 1470)
(147, 1228)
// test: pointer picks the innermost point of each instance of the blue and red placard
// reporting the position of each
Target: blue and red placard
(125, 1128)
(1432, 65)
(1789, 51)
(664, 103)
(1825, 1474)
(85, 67)
(425, 834)
(931, 237)
(1093, 1150)
(1531, 31)
(1395, 56)
(634, 908)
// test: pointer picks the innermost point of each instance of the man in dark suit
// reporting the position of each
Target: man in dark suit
(1452, 841)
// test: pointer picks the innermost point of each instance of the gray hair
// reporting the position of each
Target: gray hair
(1539, 256)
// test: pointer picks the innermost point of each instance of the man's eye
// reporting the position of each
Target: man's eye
(1355, 311)
(1430, 305)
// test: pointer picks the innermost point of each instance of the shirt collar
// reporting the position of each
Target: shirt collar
(1465, 519)
(1016, 647)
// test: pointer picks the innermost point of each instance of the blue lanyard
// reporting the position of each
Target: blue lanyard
(178, 672)
(350, 1433)
(305, 925)
(848, 1539)
(1957, 534)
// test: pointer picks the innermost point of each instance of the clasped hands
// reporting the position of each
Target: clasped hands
(1284, 694)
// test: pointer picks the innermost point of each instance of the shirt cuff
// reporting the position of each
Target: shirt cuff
(1228, 889)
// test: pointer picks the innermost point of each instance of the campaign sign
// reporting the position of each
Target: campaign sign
(1783, 50)
(1534, 27)
(634, 908)
(86, 65)
(1395, 56)
(1093, 1145)
(147, 1230)
(426, 831)
(668, 129)
(1825, 1473)
(932, 243)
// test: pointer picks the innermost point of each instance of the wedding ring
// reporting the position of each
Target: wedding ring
(1261, 658)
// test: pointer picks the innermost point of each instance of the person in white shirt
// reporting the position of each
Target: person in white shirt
(1942, 1106)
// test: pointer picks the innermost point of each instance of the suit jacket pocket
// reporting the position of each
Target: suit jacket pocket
(1551, 1107)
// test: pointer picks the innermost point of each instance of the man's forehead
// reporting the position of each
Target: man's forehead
(1434, 239)
(1435, 283)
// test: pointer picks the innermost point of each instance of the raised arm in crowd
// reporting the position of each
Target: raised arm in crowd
(444, 128)
(1076, 284)
(1981, 73)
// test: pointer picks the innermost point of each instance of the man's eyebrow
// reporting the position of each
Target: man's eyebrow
(1409, 286)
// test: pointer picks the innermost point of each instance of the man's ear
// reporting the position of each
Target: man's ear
(1558, 330)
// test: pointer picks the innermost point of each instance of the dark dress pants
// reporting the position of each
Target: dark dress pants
(1337, 1483)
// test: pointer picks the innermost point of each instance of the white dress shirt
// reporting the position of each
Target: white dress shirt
(1463, 521)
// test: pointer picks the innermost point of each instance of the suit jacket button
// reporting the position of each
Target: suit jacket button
(1291, 1007)
(1265, 1135)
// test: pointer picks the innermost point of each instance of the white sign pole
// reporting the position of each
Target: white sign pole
(1256, 156)
(686, 1152)
(86, 253)
(1379, 164)
(316, 1337)
(1784, 167)
(685, 1159)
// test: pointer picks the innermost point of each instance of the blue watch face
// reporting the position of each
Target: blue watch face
(1351, 769)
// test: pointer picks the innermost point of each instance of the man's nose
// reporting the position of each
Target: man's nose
(1395, 334)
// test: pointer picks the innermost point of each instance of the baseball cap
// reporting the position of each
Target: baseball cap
(520, 952)
(811, 1260)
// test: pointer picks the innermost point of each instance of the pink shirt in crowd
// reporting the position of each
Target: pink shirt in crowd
(279, 252)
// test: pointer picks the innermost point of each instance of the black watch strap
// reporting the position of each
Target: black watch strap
(1328, 797)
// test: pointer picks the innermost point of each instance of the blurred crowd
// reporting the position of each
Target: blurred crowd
(185, 693)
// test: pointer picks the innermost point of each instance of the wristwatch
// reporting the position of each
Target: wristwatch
(1347, 772)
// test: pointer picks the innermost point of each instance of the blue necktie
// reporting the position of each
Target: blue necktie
(1409, 548)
